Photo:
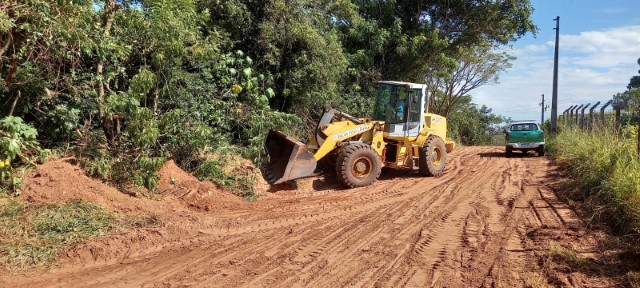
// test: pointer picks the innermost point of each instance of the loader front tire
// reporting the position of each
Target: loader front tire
(433, 157)
(358, 165)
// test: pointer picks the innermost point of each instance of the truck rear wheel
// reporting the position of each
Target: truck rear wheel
(358, 165)
(433, 157)
(509, 151)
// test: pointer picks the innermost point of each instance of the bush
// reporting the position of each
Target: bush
(18, 146)
(213, 169)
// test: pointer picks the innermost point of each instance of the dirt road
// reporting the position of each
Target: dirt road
(467, 228)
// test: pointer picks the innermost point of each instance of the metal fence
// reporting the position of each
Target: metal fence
(590, 115)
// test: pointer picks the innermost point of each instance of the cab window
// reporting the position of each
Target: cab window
(524, 127)
(392, 104)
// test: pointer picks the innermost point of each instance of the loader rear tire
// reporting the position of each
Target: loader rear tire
(358, 165)
(433, 157)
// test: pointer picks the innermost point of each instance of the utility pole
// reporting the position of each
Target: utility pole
(554, 100)
(544, 108)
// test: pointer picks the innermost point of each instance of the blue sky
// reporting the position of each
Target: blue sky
(599, 48)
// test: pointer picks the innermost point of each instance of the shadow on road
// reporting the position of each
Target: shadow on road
(322, 181)
(504, 155)
(390, 174)
(328, 181)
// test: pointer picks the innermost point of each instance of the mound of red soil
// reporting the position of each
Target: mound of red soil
(61, 180)
(205, 195)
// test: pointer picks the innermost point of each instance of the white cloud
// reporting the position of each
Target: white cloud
(613, 47)
(593, 66)
(535, 48)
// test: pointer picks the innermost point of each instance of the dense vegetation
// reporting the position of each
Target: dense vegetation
(127, 84)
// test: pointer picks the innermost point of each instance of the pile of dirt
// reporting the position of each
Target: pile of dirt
(204, 195)
(179, 214)
(61, 180)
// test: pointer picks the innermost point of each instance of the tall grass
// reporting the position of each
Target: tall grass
(33, 235)
(606, 171)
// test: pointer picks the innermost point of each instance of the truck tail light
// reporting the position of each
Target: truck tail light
(542, 134)
(506, 136)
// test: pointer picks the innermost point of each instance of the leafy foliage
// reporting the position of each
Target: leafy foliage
(470, 125)
(634, 82)
(127, 84)
(475, 67)
(17, 145)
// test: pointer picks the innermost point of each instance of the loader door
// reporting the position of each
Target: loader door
(413, 125)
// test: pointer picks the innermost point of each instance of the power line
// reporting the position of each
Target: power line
(544, 108)
(561, 6)
(568, 6)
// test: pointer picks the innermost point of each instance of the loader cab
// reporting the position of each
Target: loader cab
(401, 106)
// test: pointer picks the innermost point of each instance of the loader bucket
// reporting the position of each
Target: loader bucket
(289, 158)
(449, 145)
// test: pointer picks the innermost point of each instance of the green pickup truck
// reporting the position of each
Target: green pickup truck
(524, 136)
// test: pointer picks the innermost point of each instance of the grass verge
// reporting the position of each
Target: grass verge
(606, 173)
(32, 236)
(605, 176)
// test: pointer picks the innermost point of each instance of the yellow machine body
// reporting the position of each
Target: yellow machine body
(396, 147)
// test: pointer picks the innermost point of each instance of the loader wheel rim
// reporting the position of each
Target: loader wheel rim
(436, 156)
(362, 167)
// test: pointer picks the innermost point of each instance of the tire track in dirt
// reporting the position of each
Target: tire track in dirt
(404, 231)
(371, 238)
(416, 203)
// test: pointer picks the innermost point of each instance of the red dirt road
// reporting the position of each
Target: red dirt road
(467, 228)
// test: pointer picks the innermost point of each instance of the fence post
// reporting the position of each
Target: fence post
(571, 113)
(577, 115)
(602, 120)
(581, 123)
(617, 119)
(590, 123)
(565, 114)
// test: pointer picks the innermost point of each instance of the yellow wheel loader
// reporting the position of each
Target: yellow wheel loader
(400, 135)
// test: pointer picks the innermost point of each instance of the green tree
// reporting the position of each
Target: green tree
(634, 82)
(294, 45)
(475, 67)
(127, 84)
(471, 125)
(407, 39)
